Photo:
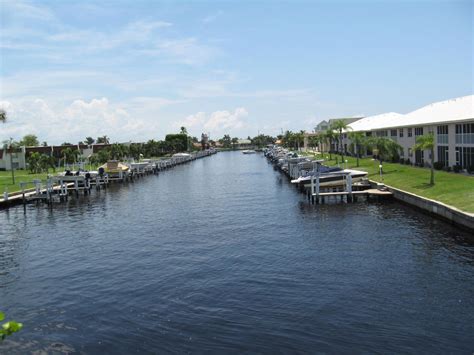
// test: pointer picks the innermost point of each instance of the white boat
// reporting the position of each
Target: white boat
(248, 151)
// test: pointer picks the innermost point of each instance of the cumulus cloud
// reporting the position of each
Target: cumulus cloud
(226, 120)
(218, 122)
(80, 118)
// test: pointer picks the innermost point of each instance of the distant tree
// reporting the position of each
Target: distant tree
(89, 140)
(177, 142)
(3, 115)
(314, 141)
(183, 130)
(70, 155)
(102, 156)
(288, 139)
(235, 140)
(300, 138)
(329, 137)
(33, 162)
(30, 140)
(66, 143)
(339, 126)
(118, 151)
(44, 144)
(358, 139)
(226, 141)
(103, 140)
(427, 142)
(386, 148)
(262, 140)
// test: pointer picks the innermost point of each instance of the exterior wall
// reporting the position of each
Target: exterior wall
(17, 158)
(408, 142)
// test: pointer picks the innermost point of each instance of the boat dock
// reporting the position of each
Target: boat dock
(59, 188)
(341, 187)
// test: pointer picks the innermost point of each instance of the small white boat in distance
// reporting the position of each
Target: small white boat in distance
(248, 151)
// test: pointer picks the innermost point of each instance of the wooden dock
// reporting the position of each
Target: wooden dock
(59, 188)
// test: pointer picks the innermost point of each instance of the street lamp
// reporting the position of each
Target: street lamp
(381, 176)
(345, 164)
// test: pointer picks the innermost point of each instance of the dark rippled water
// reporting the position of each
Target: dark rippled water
(223, 255)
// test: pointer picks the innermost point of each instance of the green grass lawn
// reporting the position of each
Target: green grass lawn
(450, 188)
(20, 176)
(23, 176)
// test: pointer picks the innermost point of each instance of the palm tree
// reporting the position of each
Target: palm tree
(3, 115)
(329, 136)
(339, 126)
(300, 138)
(386, 147)
(102, 140)
(358, 139)
(234, 141)
(427, 142)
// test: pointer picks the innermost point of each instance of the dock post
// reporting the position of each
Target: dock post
(76, 187)
(22, 186)
(349, 187)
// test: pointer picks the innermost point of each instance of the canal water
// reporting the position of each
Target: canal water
(223, 255)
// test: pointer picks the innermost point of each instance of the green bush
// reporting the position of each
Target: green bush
(438, 165)
(457, 168)
(9, 327)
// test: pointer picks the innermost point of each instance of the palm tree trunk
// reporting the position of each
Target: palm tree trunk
(341, 147)
(357, 154)
(432, 168)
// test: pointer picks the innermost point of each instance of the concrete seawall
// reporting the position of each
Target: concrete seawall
(451, 214)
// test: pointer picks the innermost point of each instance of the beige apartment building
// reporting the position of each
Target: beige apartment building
(451, 121)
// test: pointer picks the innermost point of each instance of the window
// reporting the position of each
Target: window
(410, 152)
(400, 132)
(443, 155)
(381, 133)
(465, 133)
(393, 132)
(419, 157)
(442, 132)
(465, 156)
(418, 131)
(409, 132)
(442, 129)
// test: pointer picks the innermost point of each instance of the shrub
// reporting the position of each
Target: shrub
(457, 168)
(447, 168)
(470, 169)
(438, 165)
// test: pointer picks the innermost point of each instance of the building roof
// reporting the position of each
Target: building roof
(369, 123)
(454, 110)
(244, 141)
(459, 109)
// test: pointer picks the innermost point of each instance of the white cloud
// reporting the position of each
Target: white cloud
(21, 9)
(193, 121)
(218, 122)
(222, 120)
(57, 123)
(212, 17)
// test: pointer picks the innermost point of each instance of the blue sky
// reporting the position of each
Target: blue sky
(136, 70)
